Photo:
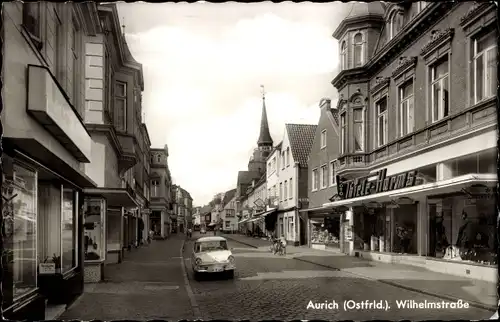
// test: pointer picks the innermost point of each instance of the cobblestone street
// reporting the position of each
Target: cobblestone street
(149, 284)
(267, 286)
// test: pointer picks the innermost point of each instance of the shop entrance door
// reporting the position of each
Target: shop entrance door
(302, 231)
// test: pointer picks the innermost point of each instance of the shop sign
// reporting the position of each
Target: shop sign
(359, 187)
(46, 268)
(348, 233)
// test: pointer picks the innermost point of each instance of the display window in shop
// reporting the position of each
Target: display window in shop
(462, 228)
(326, 231)
(94, 238)
(40, 217)
(57, 228)
(19, 211)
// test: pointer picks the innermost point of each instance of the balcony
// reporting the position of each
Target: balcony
(128, 157)
(479, 116)
(50, 106)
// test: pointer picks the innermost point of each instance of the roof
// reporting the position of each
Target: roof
(210, 238)
(301, 137)
(228, 196)
(360, 9)
(246, 177)
(205, 210)
(264, 136)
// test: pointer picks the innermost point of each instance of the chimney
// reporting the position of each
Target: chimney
(325, 103)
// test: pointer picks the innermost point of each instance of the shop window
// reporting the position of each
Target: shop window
(484, 65)
(94, 233)
(372, 229)
(463, 228)
(19, 211)
(69, 230)
(483, 162)
(405, 229)
(359, 130)
(49, 224)
(326, 231)
(439, 89)
(406, 119)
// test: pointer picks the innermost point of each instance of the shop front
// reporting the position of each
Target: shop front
(288, 225)
(43, 258)
(104, 234)
(420, 217)
(44, 143)
(324, 230)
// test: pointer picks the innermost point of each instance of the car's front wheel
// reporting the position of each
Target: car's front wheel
(196, 275)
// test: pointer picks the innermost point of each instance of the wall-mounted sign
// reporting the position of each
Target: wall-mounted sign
(362, 187)
(46, 268)
(348, 233)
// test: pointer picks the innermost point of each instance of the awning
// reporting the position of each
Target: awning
(319, 209)
(434, 188)
(118, 197)
(211, 224)
(243, 221)
(263, 215)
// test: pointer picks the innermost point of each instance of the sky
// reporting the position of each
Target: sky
(203, 66)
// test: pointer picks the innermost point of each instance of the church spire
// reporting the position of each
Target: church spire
(264, 137)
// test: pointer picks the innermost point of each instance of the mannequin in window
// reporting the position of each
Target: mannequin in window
(463, 236)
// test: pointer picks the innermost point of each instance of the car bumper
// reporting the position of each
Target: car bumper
(214, 268)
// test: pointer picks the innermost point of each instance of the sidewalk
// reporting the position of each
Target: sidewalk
(150, 284)
(477, 293)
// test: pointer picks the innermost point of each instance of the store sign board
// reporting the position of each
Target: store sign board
(46, 268)
(348, 233)
(359, 187)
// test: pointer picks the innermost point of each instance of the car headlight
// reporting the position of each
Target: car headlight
(198, 261)
(231, 259)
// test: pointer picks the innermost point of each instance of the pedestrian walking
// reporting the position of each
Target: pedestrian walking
(151, 235)
(283, 245)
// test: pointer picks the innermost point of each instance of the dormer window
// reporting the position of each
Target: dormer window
(395, 23)
(358, 49)
(343, 56)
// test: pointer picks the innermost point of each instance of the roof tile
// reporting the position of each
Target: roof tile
(301, 137)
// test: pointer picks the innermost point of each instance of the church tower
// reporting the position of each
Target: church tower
(264, 143)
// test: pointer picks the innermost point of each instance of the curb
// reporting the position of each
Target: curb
(409, 288)
(192, 299)
(243, 243)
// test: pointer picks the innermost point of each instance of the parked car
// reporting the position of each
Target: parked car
(203, 230)
(211, 255)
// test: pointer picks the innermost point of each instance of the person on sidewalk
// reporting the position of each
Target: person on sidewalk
(283, 244)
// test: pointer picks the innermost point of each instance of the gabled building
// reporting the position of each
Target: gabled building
(292, 176)
(228, 213)
(418, 134)
(183, 208)
(161, 216)
(324, 222)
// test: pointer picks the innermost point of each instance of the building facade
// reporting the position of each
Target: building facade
(183, 208)
(228, 213)
(161, 194)
(290, 165)
(114, 210)
(46, 147)
(255, 199)
(418, 134)
(324, 223)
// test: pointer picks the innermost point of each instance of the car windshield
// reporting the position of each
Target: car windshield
(208, 246)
